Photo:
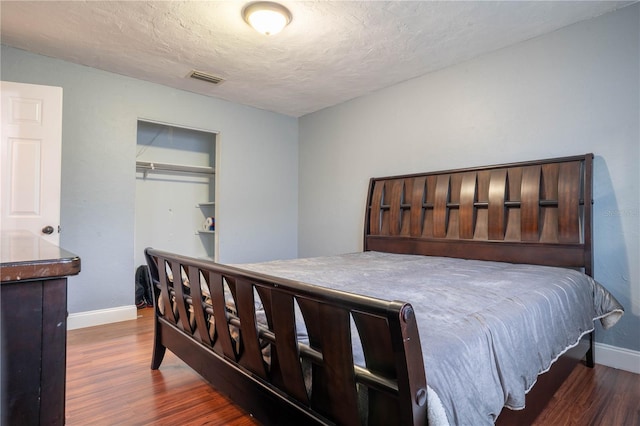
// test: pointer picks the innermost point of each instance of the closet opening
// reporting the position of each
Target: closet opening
(175, 190)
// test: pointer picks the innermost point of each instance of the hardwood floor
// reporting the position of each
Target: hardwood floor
(109, 382)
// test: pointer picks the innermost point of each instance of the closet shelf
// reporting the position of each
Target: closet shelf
(152, 167)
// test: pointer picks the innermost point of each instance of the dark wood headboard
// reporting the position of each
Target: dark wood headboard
(536, 212)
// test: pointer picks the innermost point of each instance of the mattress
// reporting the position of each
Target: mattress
(487, 329)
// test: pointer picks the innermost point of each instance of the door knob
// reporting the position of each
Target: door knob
(47, 230)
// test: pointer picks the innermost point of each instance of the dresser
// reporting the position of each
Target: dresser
(33, 319)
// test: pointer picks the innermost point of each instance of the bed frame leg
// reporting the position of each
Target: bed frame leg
(590, 359)
(158, 348)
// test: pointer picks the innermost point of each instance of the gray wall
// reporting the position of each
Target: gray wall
(569, 92)
(257, 198)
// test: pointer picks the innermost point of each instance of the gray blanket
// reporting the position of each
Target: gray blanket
(487, 329)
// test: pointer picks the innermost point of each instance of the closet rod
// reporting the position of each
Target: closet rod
(148, 167)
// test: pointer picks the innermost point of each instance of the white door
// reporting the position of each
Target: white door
(31, 157)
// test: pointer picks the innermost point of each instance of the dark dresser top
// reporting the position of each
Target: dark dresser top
(25, 256)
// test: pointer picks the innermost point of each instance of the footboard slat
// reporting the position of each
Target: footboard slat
(338, 364)
(181, 305)
(251, 356)
(287, 353)
(164, 291)
(198, 310)
(382, 406)
(223, 344)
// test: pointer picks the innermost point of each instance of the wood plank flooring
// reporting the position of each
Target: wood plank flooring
(109, 382)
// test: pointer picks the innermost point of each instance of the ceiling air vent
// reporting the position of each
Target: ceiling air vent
(209, 78)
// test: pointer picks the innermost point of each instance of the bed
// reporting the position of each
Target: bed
(471, 303)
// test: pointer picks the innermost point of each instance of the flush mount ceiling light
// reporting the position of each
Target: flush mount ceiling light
(266, 17)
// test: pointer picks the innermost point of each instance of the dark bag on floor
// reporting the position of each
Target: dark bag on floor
(143, 287)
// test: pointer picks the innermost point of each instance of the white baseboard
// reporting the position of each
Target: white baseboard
(101, 316)
(620, 358)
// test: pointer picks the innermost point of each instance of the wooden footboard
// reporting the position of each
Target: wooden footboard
(238, 330)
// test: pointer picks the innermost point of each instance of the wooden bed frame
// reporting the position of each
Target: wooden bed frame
(536, 212)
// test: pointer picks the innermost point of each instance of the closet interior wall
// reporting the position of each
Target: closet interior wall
(175, 190)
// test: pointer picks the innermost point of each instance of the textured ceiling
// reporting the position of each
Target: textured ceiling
(331, 52)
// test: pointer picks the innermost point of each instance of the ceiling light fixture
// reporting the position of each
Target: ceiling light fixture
(266, 17)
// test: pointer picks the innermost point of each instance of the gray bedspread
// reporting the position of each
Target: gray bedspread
(487, 329)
